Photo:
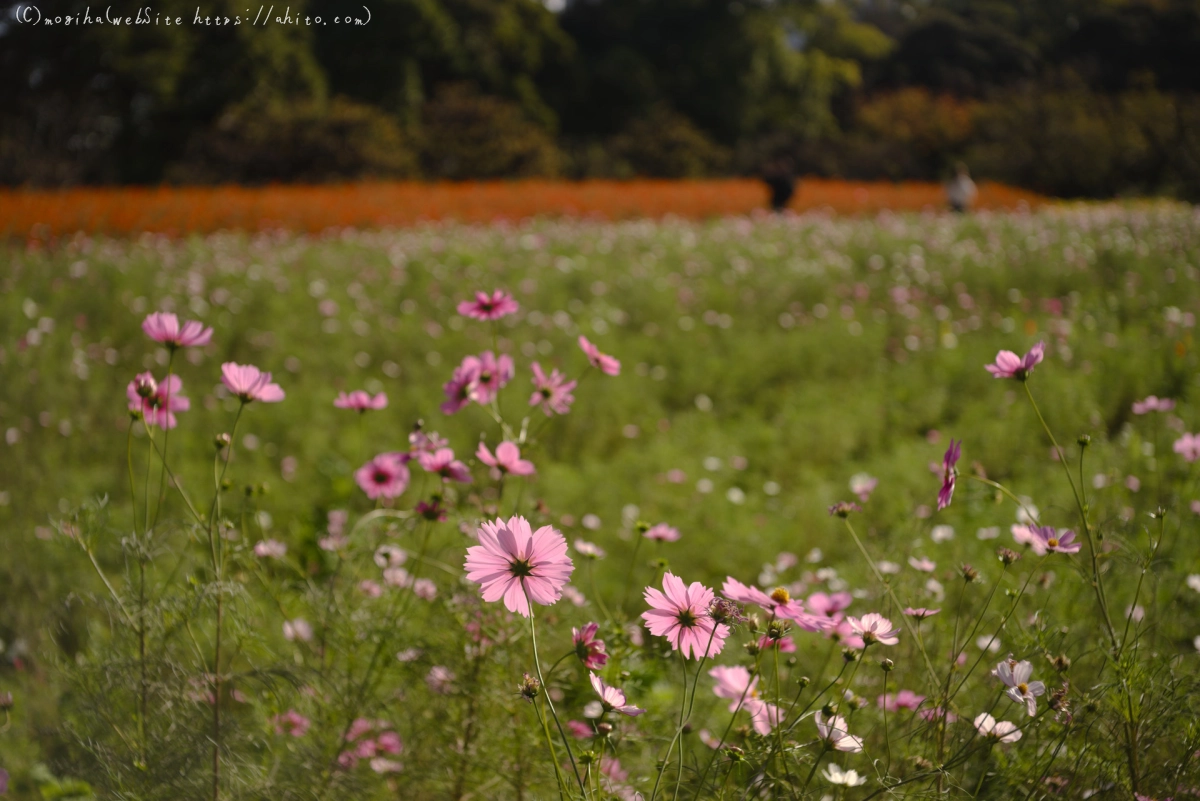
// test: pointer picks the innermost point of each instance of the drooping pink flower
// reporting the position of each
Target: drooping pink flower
(1188, 446)
(1153, 404)
(1002, 730)
(552, 392)
(443, 463)
(736, 685)
(834, 732)
(164, 327)
(920, 613)
(385, 476)
(291, 722)
(249, 383)
(360, 401)
(613, 698)
(460, 389)
(1015, 676)
(156, 401)
(589, 649)
(662, 532)
(507, 459)
(905, 699)
(494, 373)
(1010, 365)
(489, 307)
(680, 613)
(949, 473)
(1047, 539)
(606, 364)
(779, 603)
(874, 627)
(512, 562)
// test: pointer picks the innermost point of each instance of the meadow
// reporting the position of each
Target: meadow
(299, 639)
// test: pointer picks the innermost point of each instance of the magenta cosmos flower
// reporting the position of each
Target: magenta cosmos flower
(385, 476)
(494, 373)
(157, 402)
(1153, 404)
(874, 627)
(605, 363)
(662, 532)
(680, 613)
(164, 327)
(1010, 365)
(589, 649)
(518, 564)
(1188, 446)
(905, 699)
(489, 307)
(735, 684)
(1047, 539)
(460, 389)
(612, 698)
(949, 473)
(360, 401)
(249, 383)
(507, 459)
(443, 463)
(552, 392)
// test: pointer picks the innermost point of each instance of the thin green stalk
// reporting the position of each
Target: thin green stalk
(537, 662)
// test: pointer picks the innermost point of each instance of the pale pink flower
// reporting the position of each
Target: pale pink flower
(384, 765)
(874, 627)
(1015, 676)
(291, 722)
(1010, 365)
(662, 532)
(589, 649)
(494, 373)
(424, 589)
(270, 548)
(249, 383)
(862, 485)
(360, 401)
(1153, 404)
(606, 364)
(397, 577)
(390, 555)
(1188, 446)
(489, 307)
(552, 392)
(680, 613)
(834, 732)
(923, 564)
(156, 401)
(612, 698)
(829, 605)
(905, 699)
(1002, 730)
(736, 685)
(385, 476)
(370, 588)
(779, 603)
(920, 613)
(460, 389)
(518, 564)
(1047, 539)
(445, 465)
(507, 459)
(164, 327)
(440, 679)
(298, 629)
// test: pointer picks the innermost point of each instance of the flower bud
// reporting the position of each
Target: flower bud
(843, 509)
(6, 701)
(588, 757)
(222, 441)
(1061, 663)
(751, 648)
(970, 574)
(722, 610)
(641, 527)
(776, 629)
(529, 687)
(803, 682)
(145, 386)
(1007, 556)
(753, 623)
(605, 729)
(829, 709)
(734, 753)
(887, 665)
(849, 655)
(1084, 440)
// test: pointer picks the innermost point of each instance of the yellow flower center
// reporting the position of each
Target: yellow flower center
(1052, 542)
(1024, 688)
(780, 595)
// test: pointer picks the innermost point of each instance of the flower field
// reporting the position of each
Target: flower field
(802, 506)
(312, 209)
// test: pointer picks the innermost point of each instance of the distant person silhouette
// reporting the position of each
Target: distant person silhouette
(961, 191)
(780, 177)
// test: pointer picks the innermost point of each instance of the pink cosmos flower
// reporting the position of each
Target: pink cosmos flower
(680, 613)
(936, 713)
(489, 307)
(612, 698)
(829, 605)
(862, 485)
(1002, 730)
(552, 392)
(834, 732)
(291, 722)
(440, 679)
(1188, 446)
(507, 459)
(786, 645)
(949, 473)
(518, 564)
(839, 630)
(1047, 539)
(424, 589)
(779, 603)
(580, 730)
(157, 402)
(385, 476)
(874, 627)
(1010, 365)
(662, 532)
(460, 389)
(164, 327)
(589, 649)
(606, 364)
(445, 465)
(359, 727)
(923, 564)
(920, 613)
(389, 743)
(422, 442)
(360, 401)
(905, 699)
(735, 684)
(1153, 404)
(270, 548)
(589, 549)
(494, 373)
(249, 383)
(1015, 676)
